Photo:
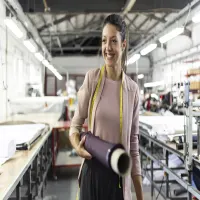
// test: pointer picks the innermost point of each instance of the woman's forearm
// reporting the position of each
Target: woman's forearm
(75, 140)
(137, 181)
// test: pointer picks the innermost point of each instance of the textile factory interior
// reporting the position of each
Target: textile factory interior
(48, 52)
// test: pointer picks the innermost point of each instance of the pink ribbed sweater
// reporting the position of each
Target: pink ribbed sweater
(107, 123)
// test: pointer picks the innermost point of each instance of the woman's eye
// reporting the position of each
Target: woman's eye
(103, 41)
(114, 41)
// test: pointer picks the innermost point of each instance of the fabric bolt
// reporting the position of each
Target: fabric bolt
(100, 149)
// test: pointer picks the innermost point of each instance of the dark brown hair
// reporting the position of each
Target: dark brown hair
(120, 24)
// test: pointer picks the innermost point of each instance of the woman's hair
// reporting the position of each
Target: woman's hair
(120, 24)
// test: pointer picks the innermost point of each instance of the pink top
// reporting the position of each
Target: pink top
(107, 123)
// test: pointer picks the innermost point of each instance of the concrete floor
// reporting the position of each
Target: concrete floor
(65, 188)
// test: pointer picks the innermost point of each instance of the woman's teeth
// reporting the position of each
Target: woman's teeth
(109, 56)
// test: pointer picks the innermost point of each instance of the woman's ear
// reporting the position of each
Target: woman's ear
(123, 45)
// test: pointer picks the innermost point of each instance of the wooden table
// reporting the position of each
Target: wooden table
(15, 168)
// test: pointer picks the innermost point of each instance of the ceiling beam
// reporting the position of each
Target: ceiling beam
(150, 28)
(58, 38)
(90, 23)
(132, 22)
(162, 20)
(56, 22)
(89, 33)
(78, 48)
(154, 25)
(142, 24)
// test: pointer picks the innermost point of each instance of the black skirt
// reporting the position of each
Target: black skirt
(99, 183)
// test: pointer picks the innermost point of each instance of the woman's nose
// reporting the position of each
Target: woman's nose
(108, 46)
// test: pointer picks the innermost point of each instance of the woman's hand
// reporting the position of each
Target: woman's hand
(80, 150)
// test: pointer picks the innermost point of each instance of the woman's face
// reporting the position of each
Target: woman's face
(112, 45)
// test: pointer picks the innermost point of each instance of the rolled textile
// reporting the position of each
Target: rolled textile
(109, 154)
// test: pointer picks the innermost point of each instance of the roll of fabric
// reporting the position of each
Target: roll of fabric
(109, 154)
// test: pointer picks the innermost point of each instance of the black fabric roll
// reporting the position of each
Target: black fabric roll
(100, 149)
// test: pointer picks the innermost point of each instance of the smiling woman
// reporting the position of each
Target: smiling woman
(113, 115)
(115, 42)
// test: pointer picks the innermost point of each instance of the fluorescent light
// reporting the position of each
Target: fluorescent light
(148, 49)
(45, 63)
(174, 33)
(14, 27)
(39, 56)
(133, 59)
(52, 69)
(140, 76)
(30, 46)
(196, 18)
(153, 84)
(59, 77)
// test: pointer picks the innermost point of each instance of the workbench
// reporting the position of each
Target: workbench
(24, 175)
(167, 149)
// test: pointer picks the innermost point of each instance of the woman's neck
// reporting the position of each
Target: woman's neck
(114, 73)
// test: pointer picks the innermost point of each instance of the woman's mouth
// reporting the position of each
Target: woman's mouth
(109, 56)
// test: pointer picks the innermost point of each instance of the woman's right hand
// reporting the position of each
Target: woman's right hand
(80, 150)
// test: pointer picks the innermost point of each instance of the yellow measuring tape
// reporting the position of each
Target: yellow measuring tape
(91, 110)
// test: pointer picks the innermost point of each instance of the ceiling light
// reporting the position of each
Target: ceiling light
(59, 77)
(174, 33)
(196, 18)
(39, 56)
(45, 63)
(140, 76)
(52, 69)
(11, 24)
(148, 49)
(133, 59)
(30, 45)
(153, 84)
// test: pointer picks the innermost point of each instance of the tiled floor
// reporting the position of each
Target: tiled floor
(65, 188)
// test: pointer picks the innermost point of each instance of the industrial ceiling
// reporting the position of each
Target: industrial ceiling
(74, 27)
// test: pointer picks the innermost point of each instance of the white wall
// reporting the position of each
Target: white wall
(81, 64)
(3, 92)
(178, 45)
(77, 64)
(158, 54)
(195, 34)
(175, 72)
(17, 66)
(143, 66)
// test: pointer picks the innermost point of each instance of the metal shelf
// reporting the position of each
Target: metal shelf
(167, 148)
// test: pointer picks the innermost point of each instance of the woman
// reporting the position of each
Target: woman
(110, 101)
